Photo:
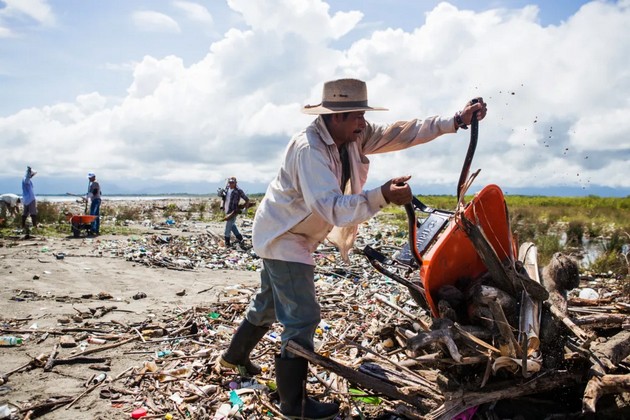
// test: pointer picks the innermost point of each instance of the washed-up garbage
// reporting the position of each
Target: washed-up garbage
(367, 323)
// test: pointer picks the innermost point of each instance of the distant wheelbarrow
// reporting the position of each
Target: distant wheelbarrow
(79, 222)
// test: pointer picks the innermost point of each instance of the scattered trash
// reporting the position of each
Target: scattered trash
(5, 412)
(588, 293)
(367, 321)
(139, 295)
(95, 340)
(98, 379)
(10, 341)
(138, 413)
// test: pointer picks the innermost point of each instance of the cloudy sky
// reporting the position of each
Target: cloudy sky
(161, 96)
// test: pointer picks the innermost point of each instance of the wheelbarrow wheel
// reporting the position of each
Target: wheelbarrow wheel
(76, 229)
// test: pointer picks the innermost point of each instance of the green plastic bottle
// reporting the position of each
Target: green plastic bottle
(7, 340)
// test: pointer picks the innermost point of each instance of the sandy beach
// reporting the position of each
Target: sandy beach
(153, 303)
(40, 292)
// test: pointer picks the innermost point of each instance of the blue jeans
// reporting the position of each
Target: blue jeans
(230, 227)
(95, 210)
(287, 294)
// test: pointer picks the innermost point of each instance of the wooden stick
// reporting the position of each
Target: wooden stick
(423, 380)
(461, 400)
(579, 332)
(598, 386)
(359, 378)
(45, 405)
(87, 391)
(409, 315)
(504, 328)
(461, 331)
(51, 359)
(106, 347)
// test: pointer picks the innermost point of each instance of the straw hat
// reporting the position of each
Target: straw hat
(343, 95)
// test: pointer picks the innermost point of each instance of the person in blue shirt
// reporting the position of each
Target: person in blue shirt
(28, 198)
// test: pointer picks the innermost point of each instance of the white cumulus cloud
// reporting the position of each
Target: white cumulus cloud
(152, 21)
(557, 98)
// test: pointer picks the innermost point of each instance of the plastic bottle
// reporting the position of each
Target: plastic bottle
(99, 378)
(8, 340)
(5, 412)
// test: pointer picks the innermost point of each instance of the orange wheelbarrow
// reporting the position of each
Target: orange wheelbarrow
(440, 248)
(80, 222)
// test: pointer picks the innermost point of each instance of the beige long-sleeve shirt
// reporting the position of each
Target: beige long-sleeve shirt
(304, 204)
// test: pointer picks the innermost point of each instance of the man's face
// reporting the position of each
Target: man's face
(349, 129)
(232, 184)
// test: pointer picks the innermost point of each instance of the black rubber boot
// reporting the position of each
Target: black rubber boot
(241, 242)
(227, 241)
(237, 355)
(294, 403)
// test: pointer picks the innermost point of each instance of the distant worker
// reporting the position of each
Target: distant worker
(230, 197)
(10, 203)
(94, 197)
(28, 199)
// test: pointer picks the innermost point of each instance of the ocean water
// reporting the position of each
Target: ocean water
(72, 198)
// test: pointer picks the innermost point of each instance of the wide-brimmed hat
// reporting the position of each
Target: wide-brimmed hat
(231, 179)
(343, 95)
(91, 175)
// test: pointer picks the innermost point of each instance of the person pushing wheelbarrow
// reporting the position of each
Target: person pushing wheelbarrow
(94, 198)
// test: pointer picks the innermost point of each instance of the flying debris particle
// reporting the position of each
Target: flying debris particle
(551, 129)
(585, 157)
(513, 93)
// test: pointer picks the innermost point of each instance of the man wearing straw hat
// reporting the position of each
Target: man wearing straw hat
(94, 197)
(230, 198)
(318, 194)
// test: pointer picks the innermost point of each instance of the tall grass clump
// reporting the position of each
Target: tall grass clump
(48, 212)
(615, 255)
(170, 210)
(124, 213)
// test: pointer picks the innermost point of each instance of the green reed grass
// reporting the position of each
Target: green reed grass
(543, 221)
